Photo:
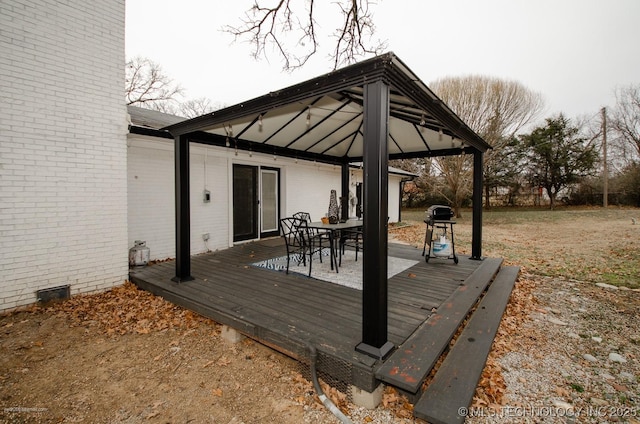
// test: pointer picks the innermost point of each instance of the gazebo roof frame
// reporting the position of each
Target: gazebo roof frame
(413, 106)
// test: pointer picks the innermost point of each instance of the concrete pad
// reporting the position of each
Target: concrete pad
(366, 399)
(231, 335)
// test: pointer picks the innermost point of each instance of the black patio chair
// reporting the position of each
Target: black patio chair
(323, 236)
(350, 238)
(300, 241)
(353, 239)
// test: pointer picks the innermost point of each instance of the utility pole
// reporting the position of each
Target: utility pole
(605, 171)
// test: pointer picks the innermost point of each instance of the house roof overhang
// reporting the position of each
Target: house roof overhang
(322, 118)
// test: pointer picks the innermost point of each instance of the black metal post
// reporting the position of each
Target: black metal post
(344, 192)
(183, 213)
(376, 164)
(476, 235)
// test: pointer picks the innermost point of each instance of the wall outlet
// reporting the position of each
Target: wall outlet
(205, 236)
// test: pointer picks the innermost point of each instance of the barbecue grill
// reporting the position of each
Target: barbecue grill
(439, 213)
(438, 222)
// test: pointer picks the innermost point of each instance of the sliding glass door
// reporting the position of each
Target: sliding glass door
(256, 199)
(269, 201)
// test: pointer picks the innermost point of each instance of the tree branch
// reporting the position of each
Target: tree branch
(276, 26)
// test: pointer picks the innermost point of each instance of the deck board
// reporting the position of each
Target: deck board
(415, 358)
(289, 312)
(454, 384)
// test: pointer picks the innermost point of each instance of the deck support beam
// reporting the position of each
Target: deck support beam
(376, 162)
(183, 212)
(478, 176)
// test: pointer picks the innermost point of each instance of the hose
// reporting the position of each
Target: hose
(325, 400)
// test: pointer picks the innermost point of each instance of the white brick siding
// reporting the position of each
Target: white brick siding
(305, 186)
(63, 215)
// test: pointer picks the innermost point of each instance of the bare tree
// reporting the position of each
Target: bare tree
(196, 107)
(147, 86)
(455, 177)
(293, 33)
(496, 109)
(626, 120)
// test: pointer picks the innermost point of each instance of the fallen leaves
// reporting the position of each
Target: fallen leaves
(492, 387)
(397, 403)
(125, 310)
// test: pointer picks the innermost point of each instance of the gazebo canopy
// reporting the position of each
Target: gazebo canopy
(322, 118)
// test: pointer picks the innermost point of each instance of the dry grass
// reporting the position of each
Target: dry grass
(597, 245)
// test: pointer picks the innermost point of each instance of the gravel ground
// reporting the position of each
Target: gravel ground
(575, 358)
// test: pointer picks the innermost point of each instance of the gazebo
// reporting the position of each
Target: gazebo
(371, 112)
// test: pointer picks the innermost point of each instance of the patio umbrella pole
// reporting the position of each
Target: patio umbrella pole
(325, 400)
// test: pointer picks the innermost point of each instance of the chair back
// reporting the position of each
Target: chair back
(304, 216)
(292, 232)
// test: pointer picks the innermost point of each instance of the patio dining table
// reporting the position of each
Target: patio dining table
(334, 232)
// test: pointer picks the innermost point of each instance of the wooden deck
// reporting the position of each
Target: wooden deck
(291, 312)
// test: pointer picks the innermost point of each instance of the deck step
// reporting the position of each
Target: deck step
(410, 364)
(455, 382)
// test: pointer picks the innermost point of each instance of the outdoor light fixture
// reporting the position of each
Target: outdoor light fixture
(229, 132)
(440, 135)
(308, 116)
(260, 123)
(423, 120)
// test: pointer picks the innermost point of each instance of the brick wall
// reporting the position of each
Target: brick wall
(151, 198)
(63, 192)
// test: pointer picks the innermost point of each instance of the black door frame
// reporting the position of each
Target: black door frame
(256, 203)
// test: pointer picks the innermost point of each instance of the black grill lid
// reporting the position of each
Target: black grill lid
(439, 213)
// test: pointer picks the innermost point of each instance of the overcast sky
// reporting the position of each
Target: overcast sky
(574, 52)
